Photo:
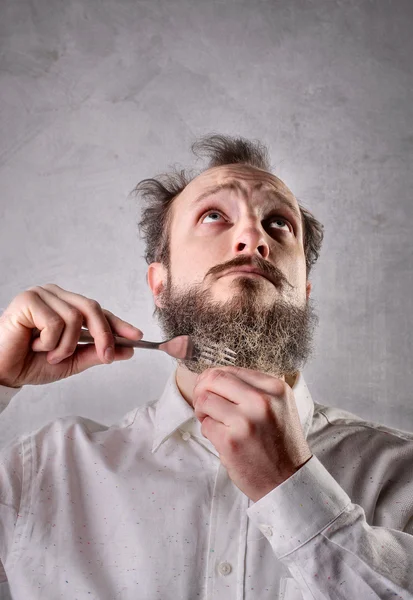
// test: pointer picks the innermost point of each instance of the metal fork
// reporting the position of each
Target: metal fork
(181, 346)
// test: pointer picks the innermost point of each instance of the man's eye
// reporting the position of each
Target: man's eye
(275, 218)
(214, 213)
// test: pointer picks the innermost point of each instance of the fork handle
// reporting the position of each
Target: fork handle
(119, 340)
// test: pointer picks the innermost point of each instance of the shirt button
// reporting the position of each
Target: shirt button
(186, 435)
(224, 568)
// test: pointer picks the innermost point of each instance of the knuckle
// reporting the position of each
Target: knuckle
(278, 387)
(93, 304)
(66, 350)
(263, 404)
(55, 321)
(31, 292)
(245, 427)
(109, 338)
(202, 398)
(216, 373)
(74, 316)
(237, 371)
(232, 443)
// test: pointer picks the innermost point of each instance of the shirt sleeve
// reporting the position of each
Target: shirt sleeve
(10, 485)
(6, 394)
(11, 492)
(327, 544)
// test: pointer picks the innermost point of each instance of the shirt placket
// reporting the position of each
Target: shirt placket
(227, 540)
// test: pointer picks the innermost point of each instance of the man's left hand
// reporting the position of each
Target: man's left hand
(252, 420)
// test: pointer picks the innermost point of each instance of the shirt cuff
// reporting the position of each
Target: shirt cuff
(299, 508)
(6, 394)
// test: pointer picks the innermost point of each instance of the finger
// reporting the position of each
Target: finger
(218, 408)
(216, 433)
(262, 381)
(224, 384)
(86, 356)
(50, 315)
(235, 390)
(91, 314)
(122, 328)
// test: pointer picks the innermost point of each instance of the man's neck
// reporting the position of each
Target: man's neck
(186, 380)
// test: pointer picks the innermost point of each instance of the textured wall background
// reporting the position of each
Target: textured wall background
(96, 95)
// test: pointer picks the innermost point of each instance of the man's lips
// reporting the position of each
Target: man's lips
(250, 270)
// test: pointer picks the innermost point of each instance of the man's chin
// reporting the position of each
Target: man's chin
(246, 290)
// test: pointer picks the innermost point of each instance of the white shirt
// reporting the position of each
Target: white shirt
(144, 510)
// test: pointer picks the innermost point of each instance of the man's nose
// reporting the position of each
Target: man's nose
(251, 239)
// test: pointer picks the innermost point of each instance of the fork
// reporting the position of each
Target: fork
(181, 346)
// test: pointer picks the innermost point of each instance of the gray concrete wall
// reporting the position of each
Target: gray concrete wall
(96, 95)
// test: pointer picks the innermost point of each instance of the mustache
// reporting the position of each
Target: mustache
(255, 262)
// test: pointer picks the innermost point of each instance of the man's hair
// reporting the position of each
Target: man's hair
(159, 192)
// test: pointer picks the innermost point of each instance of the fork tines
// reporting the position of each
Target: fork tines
(217, 355)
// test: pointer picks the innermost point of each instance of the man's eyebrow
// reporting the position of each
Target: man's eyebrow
(272, 194)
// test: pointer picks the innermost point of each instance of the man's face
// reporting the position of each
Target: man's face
(266, 319)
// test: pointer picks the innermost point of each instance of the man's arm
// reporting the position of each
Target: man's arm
(327, 544)
(11, 486)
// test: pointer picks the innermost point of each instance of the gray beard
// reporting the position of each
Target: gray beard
(275, 339)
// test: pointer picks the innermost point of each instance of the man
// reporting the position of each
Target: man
(234, 484)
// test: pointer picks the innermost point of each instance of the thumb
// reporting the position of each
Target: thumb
(86, 357)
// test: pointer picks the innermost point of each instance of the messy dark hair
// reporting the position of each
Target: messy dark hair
(159, 193)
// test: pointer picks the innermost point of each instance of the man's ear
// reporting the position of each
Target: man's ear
(308, 289)
(156, 278)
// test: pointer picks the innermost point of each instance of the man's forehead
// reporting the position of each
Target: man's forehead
(245, 174)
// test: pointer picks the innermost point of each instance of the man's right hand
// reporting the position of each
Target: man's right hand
(59, 315)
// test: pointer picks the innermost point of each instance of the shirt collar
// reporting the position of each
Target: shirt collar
(173, 413)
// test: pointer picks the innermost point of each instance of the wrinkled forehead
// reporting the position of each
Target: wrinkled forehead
(248, 176)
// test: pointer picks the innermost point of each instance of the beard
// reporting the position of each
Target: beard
(272, 337)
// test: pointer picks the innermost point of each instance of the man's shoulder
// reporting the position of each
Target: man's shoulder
(331, 420)
(75, 427)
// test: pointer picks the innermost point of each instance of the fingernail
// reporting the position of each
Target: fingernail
(109, 354)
